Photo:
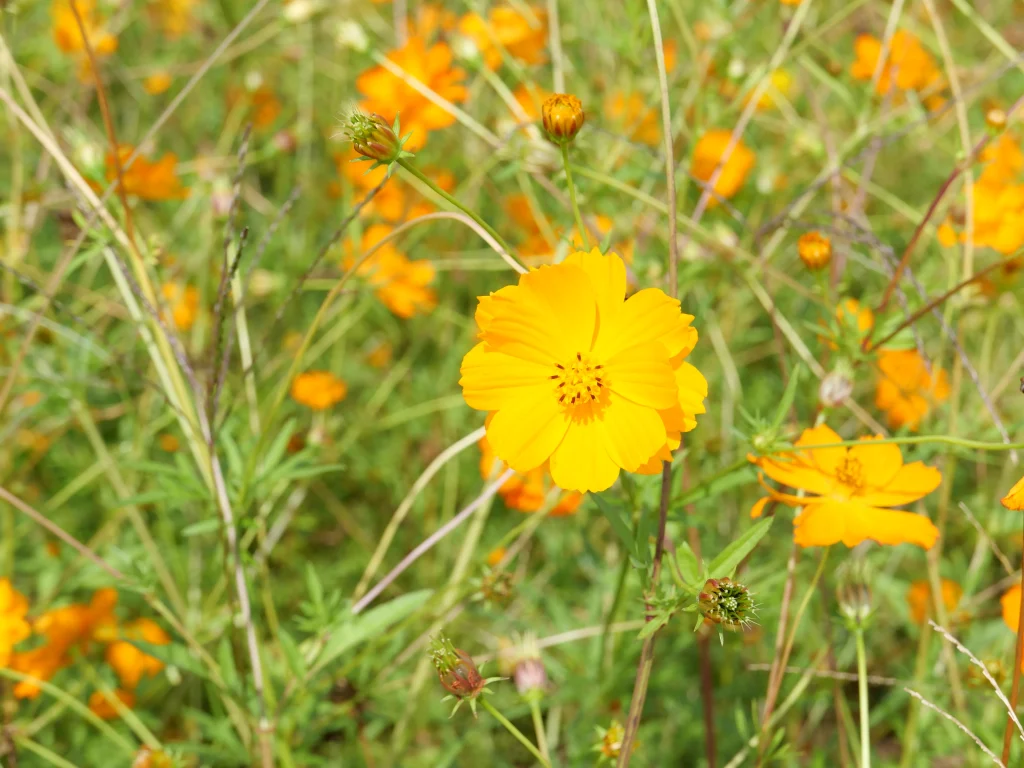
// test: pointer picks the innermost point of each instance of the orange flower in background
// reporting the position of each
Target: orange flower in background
(946, 234)
(909, 66)
(68, 35)
(183, 301)
(397, 200)
(671, 50)
(13, 626)
(525, 492)
(102, 708)
(146, 180)
(262, 105)
(781, 85)
(41, 663)
(402, 285)
(388, 95)
(850, 490)
(850, 312)
(1015, 498)
(523, 35)
(707, 156)
(130, 663)
(634, 117)
(318, 390)
(174, 17)
(157, 83)
(380, 356)
(1010, 603)
(906, 390)
(919, 598)
(432, 19)
(577, 377)
(531, 98)
(998, 200)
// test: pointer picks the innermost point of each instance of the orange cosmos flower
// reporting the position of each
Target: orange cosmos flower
(41, 663)
(523, 36)
(634, 116)
(577, 377)
(318, 390)
(906, 390)
(707, 156)
(102, 708)
(68, 35)
(388, 95)
(1015, 498)
(157, 83)
(13, 627)
(1010, 603)
(263, 106)
(130, 663)
(149, 181)
(531, 98)
(432, 19)
(851, 312)
(380, 356)
(397, 200)
(183, 301)
(174, 17)
(525, 492)
(403, 286)
(909, 63)
(919, 598)
(849, 491)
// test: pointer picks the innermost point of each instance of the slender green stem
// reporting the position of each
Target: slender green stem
(862, 688)
(538, 727)
(584, 234)
(50, 756)
(920, 440)
(610, 616)
(455, 203)
(514, 731)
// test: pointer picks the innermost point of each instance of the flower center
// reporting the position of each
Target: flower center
(851, 473)
(580, 381)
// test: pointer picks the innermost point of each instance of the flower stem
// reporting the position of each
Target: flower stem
(862, 687)
(451, 200)
(515, 732)
(584, 234)
(538, 727)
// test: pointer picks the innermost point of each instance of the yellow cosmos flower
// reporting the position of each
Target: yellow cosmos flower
(1010, 603)
(634, 116)
(577, 377)
(318, 390)
(849, 491)
(1015, 498)
(707, 156)
(906, 390)
(919, 598)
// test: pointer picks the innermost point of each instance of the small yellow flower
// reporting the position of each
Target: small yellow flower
(850, 490)
(577, 377)
(318, 389)
(13, 626)
(128, 662)
(919, 598)
(183, 301)
(563, 117)
(157, 83)
(707, 156)
(815, 250)
(781, 84)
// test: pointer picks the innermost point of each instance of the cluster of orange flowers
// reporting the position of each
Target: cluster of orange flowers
(70, 630)
(908, 67)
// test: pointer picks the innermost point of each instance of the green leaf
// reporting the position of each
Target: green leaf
(787, 398)
(291, 654)
(352, 630)
(209, 525)
(688, 565)
(732, 555)
(654, 625)
(616, 516)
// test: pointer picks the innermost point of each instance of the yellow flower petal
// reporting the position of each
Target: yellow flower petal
(828, 522)
(550, 318)
(910, 483)
(650, 315)
(1011, 607)
(581, 462)
(797, 473)
(632, 433)
(826, 459)
(758, 509)
(528, 428)
(1015, 498)
(643, 375)
(490, 380)
(607, 275)
(881, 461)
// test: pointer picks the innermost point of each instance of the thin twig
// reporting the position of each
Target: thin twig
(958, 724)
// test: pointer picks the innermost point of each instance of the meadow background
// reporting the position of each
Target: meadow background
(225, 438)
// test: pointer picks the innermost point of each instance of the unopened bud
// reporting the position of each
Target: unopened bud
(455, 669)
(815, 250)
(530, 677)
(854, 593)
(995, 119)
(726, 603)
(373, 138)
(563, 117)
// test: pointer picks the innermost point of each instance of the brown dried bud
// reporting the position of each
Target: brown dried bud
(563, 117)
(815, 250)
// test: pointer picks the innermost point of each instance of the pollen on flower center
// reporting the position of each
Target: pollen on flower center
(579, 381)
(851, 473)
